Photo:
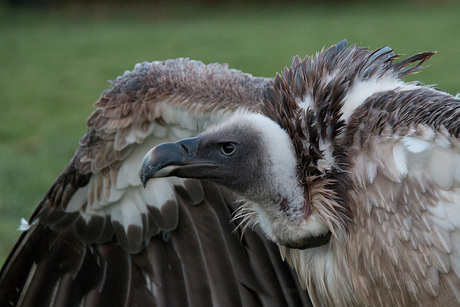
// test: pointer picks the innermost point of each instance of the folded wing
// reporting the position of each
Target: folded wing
(406, 166)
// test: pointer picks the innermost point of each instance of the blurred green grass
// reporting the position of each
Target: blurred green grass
(54, 64)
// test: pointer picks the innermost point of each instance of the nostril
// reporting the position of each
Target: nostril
(188, 147)
(185, 149)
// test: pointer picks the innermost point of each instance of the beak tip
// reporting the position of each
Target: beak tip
(143, 178)
(145, 173)
(144, 183)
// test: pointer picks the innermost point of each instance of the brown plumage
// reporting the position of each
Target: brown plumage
(353, 173)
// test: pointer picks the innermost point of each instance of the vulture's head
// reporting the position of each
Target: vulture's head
(253, 156)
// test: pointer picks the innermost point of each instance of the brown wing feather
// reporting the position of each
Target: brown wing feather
(197, 264)
(181, 251)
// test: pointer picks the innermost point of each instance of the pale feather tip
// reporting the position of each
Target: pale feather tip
(24, 226)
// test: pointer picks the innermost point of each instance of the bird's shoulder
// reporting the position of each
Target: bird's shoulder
(404, 152)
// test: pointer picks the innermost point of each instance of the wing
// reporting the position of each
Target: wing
(99, 239)
(406, 167)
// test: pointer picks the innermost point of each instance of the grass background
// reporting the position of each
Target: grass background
(54, 64)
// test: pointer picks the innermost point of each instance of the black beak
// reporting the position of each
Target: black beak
(172, 159)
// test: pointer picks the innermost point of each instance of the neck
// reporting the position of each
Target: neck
(323, 271)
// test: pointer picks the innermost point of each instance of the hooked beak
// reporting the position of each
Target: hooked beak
(174, 159)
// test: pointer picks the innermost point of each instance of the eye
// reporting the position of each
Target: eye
(227, 149)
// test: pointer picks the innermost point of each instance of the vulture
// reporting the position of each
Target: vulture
(335, 183)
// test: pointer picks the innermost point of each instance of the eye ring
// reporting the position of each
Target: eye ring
(228, 148)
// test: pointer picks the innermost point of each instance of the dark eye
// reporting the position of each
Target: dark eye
(227, 149)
